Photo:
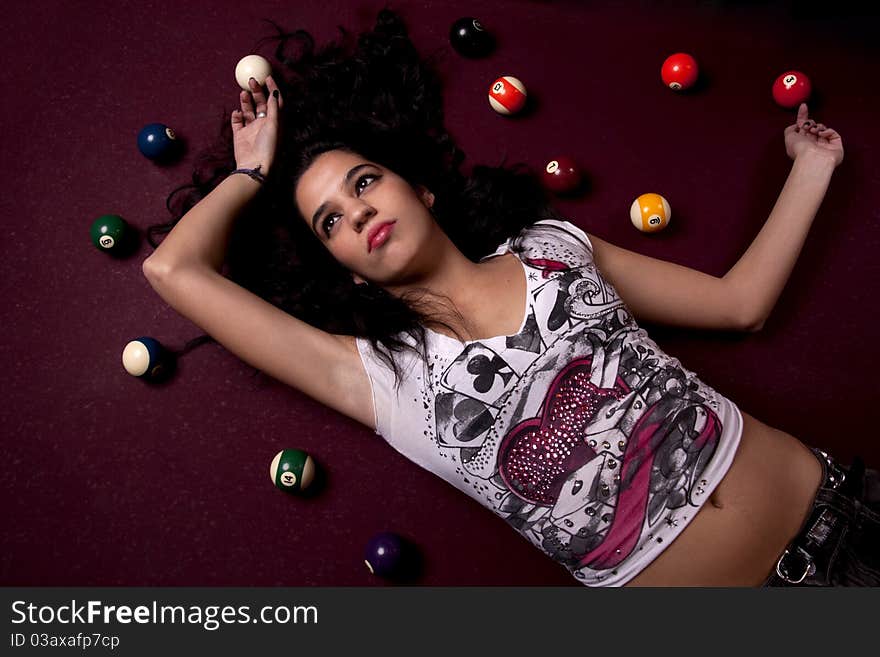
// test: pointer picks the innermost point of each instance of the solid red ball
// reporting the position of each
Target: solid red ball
(791, 89)
(679, 71)
(561, 175)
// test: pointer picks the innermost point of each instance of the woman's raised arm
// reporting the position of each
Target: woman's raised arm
(201, 237)
(763, 270)
(185, 272)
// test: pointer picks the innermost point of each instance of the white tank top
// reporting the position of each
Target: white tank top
(577, 430)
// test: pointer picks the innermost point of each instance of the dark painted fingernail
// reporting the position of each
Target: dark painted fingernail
(276, 94)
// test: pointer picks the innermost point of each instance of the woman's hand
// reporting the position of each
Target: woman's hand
(255, 126)
(805, 136)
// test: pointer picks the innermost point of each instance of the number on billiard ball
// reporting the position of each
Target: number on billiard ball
(469, 38)
(147, 359)
(679, 71)
(650, 213)
(507, 95)
(561, 175)
(791, 89)
(292, 470)
(110, 233)
(157, 142)
(385, 555)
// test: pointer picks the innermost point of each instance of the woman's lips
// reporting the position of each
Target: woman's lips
(381, 235)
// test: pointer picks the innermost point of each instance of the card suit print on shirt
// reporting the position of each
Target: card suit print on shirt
(559, 315)
(462, 421)
(479, 372)
(485, 369)
(529, 339)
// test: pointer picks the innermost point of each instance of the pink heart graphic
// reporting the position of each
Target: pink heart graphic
(537, 455)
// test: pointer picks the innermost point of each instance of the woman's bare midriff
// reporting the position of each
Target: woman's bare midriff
(759, 506)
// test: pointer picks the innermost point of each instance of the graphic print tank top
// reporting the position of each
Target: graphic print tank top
(577, 430)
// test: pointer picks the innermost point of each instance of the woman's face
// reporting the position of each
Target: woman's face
(343, 197)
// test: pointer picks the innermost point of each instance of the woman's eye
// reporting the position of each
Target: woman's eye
(359, 188)
(324, 223)
(362, 179)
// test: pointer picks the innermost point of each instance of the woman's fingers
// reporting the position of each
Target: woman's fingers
(258, 94)
(272, 106)
(247, 106)
(237, 120)
(802, 114)
(270, 83)
(256, 103)
(274, 102)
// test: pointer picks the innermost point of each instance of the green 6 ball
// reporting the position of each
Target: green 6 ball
(110, 233)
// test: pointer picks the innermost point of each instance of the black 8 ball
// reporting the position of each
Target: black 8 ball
(470, 38)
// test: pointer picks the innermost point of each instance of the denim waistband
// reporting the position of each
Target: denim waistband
(825, 523)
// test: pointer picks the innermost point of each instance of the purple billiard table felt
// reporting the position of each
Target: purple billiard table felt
(106, 480)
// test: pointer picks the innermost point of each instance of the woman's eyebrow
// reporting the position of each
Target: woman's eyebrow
(346, 181)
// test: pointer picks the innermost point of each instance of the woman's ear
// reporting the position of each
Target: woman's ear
(426, 196)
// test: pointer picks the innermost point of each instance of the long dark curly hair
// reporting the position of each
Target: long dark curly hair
(376, 97)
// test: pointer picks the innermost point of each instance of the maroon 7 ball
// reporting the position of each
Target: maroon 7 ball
(561, 175)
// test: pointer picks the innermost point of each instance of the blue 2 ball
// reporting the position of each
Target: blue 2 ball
(147, 359)
(157, 142)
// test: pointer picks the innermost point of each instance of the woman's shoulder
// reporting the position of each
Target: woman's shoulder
(548, 241)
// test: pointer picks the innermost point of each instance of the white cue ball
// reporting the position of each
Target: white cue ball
(136, 358)
(252, 66)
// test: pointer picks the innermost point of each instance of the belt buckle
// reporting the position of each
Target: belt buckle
(804, 557)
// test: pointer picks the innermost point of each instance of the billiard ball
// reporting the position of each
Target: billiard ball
(561, 175)
(507, 95)
(252, 66)
(385, 555)
(469, 38)
(679, 71)
(292, 470)
(791, 89)
(147, 359)
(650, 213)
(156, 141)
(110, 233)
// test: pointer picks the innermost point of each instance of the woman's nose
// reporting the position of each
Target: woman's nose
(363, 214)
